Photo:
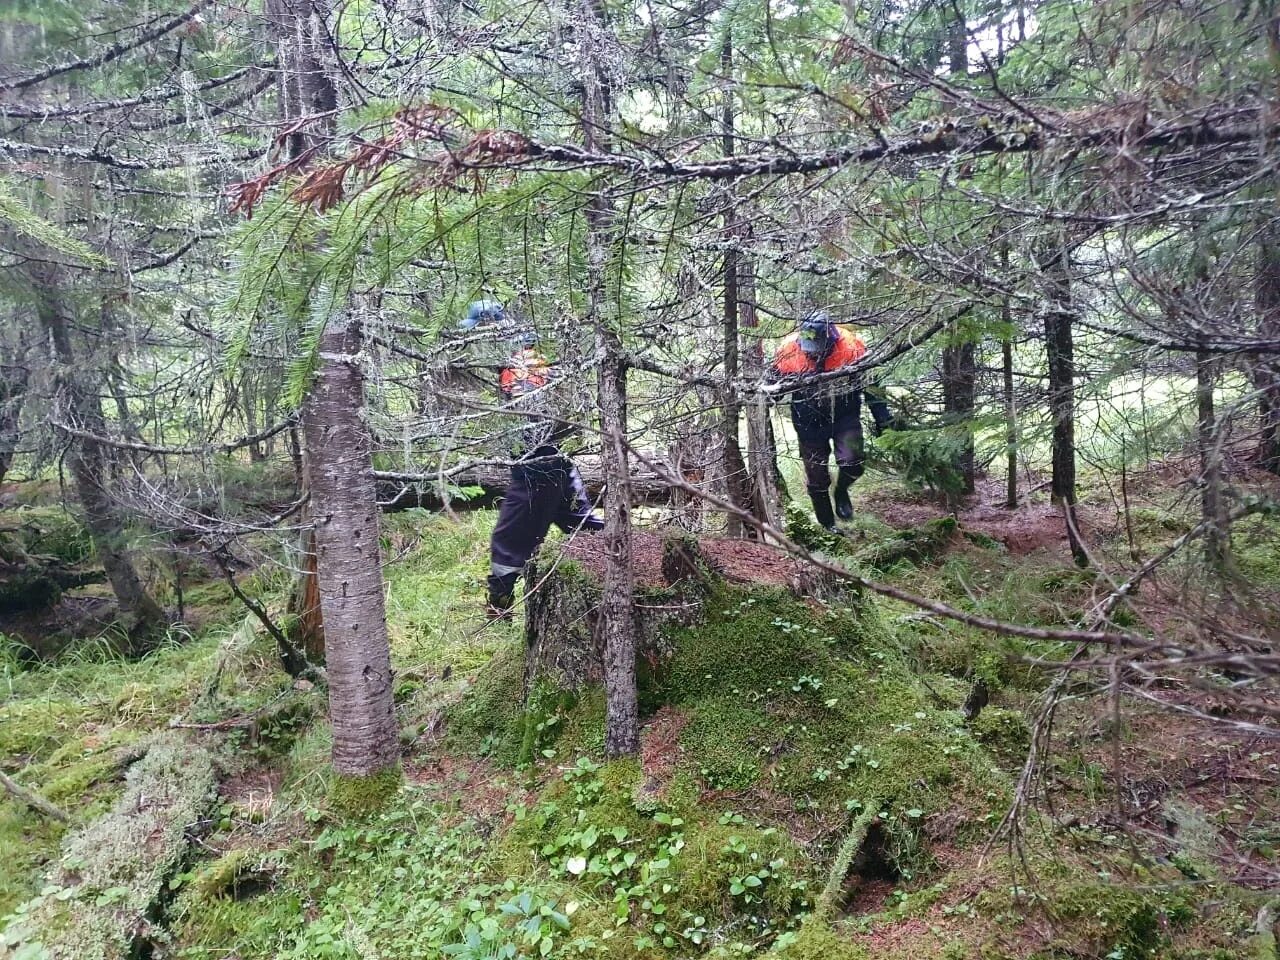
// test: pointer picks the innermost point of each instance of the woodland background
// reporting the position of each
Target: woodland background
(251, 708)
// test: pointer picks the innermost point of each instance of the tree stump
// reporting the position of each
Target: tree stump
(675, 574)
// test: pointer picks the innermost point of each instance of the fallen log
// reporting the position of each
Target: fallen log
(103, 896)
(482, 487)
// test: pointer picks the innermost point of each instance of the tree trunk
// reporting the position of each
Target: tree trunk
(1011, 426)
(338, 459)
(305, 90)
(959, 386)
(1060, 352)
(1212, 511)
(348, 558)
(959, 373)
(88, 462)
(1266, 373)
(13, 389)
(1010, 403)
(622, 732)
(737, 484)
(306, 625)
(762, 447)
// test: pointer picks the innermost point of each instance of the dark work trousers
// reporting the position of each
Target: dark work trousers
(545, 488)
(822, 424)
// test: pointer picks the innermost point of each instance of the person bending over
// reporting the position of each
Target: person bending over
(545, 486)
(827, 416)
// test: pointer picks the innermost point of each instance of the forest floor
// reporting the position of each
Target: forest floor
(1158, 835)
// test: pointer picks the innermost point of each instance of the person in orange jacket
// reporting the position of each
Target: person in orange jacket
(545, 487)
(827, 415)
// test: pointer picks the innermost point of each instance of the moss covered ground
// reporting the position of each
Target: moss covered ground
(779, 728)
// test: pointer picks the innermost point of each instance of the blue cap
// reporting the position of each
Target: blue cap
(817, 330)
(482, 311)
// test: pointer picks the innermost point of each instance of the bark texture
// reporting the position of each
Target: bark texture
(308, 95)
(1266, 374)
(762, 445)
(13, 388)
(88, 461)
(622, 728)
(1010, 401)
(306, 628)
(348, 558)
(959, 373)
(1212, 510)
(1060, 352)
(737, 481)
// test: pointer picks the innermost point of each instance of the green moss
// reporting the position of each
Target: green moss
(817, 941)
(359, 796)
(97, 900)
(28, 841)
(804, 530)
(31, 730)
(73, 784)
(235, 874)
(715, 854)
(1121, 920)
(916, 545)
(1004, 731)
(725, 738)
(581, 725)
(490, 718)
(1254, 550)
(755, 643)
(54, 532)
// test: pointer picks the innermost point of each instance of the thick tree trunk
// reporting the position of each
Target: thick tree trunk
(88, 461)
(622, 731)
(305, 91)
(1060, 352)
(959, 387)
(338, 460)
(308, 96)
(348, 559)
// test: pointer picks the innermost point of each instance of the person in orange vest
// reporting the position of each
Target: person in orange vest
(545, 486)
(827, 415)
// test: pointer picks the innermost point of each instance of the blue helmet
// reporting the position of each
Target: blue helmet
(482, 311)
(817, 332)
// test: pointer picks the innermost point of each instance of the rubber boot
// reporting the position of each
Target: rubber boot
(822, 510)
(844, 506)
(502, 597)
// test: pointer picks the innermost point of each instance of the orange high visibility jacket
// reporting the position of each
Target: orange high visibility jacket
(820, 411)
(524, 372)
(791, 360)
